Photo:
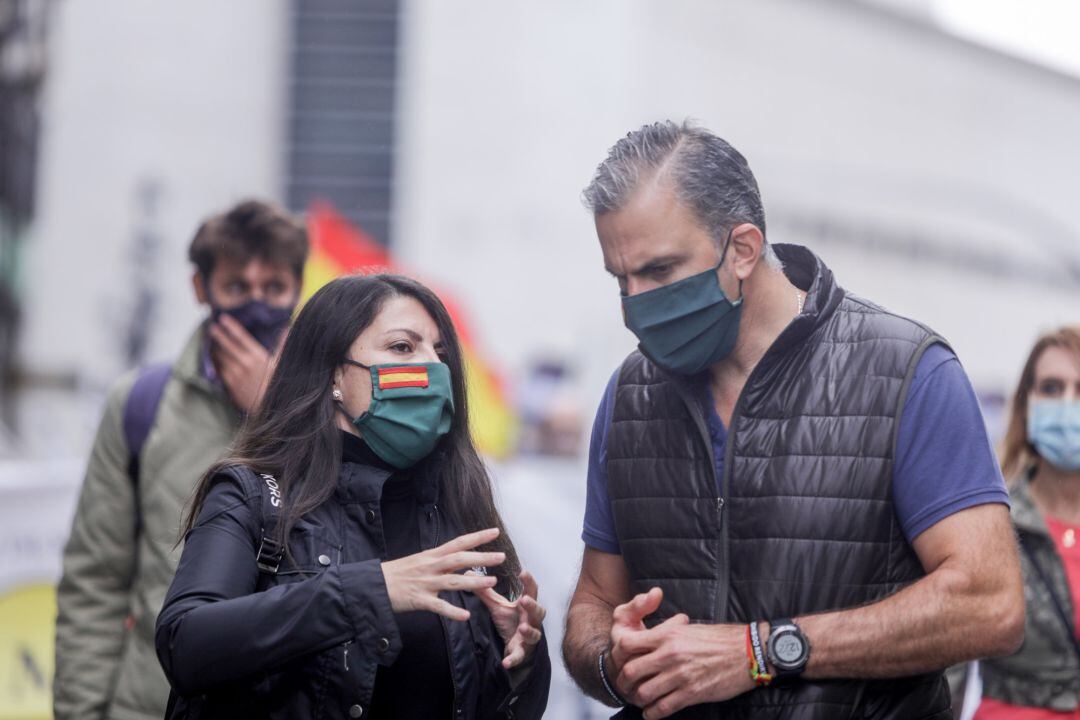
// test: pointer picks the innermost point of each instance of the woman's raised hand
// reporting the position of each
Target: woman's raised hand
(518, 622)
(415, 581)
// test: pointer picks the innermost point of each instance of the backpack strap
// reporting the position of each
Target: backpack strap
(264, 500)
(140, 410)
(270, 550)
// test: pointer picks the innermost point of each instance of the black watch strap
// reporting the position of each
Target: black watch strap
(787, 648)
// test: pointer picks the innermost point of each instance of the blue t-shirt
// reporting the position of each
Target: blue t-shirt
(944, 460)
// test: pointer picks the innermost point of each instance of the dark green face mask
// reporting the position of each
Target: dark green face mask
(411, 409)
(688, 325)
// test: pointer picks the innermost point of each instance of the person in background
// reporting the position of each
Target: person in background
(336, 564)
(1041, 456)
(162, 427)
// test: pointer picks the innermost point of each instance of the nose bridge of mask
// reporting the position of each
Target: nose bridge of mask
(1056, 412)
(675, 300)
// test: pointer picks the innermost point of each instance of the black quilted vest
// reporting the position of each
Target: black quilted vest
(802, 520)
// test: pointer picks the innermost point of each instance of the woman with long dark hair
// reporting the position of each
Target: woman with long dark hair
(348, 560)
(1041, 457)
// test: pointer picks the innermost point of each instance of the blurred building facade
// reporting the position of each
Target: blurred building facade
(935, 176)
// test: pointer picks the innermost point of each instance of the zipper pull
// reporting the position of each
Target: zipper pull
(347, 655)
(719, 504)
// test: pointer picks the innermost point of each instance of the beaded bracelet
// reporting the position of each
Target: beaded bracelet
(756, 655)
(607, 684)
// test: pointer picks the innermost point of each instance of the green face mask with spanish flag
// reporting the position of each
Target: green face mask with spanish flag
(412, 406)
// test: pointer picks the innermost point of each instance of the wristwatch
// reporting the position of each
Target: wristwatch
(787, 648)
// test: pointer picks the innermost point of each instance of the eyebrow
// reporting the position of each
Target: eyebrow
(650, 265)
(412, 334)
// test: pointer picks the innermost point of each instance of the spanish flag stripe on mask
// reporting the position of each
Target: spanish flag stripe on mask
(400, 377)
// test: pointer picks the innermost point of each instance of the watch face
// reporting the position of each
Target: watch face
(788, 648)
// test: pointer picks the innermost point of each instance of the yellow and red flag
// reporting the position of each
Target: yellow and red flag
(402, 377)
(339, 248)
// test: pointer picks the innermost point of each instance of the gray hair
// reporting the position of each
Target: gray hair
(710, 177)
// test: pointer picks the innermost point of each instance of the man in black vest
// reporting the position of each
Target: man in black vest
(793, 507)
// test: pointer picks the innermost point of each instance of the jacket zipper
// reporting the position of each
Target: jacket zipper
(446, 634)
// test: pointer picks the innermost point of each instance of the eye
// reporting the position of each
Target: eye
(274, 287)
(236, 287)
(402, 347)
(1050, 387)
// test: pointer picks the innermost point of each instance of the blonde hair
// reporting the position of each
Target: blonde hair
(1017, 452)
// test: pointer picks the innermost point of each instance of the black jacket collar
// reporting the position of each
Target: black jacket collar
(807, 272)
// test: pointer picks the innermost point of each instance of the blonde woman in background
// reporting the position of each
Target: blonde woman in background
(1041, 458)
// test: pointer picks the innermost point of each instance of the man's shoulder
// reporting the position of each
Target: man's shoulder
(859, 319)
(636, 369)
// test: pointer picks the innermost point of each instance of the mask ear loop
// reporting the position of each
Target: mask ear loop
(339, 402)
(723, 254)
(338, 399)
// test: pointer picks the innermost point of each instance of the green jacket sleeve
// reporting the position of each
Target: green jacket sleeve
(93, 596)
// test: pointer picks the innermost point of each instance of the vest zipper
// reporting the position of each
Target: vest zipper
(694, 408)
(729, 446)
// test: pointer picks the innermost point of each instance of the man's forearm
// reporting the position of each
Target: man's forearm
(588, 633)
(936, 622)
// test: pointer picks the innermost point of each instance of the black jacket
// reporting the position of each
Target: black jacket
(305, 642)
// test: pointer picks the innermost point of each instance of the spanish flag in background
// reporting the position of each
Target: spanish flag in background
(338, 248)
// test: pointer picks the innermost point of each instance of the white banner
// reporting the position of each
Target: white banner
(37, 500)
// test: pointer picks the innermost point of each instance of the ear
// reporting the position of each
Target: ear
(199, 285)
(744, 254)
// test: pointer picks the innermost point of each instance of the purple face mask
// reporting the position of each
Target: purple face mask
(264, 322)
